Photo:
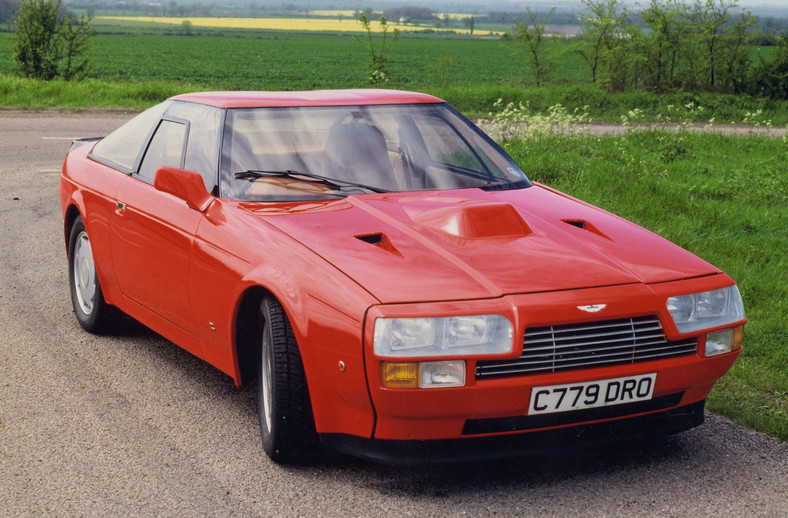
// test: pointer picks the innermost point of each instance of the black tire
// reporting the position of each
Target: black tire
(287, 425)
(90, 308)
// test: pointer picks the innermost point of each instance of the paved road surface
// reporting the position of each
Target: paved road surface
(131, 425)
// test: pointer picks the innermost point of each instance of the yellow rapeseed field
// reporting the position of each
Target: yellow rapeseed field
(282, 24)
(351, 14)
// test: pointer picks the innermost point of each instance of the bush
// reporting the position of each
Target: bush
(37, 49)
(770, 78)
(46, 45)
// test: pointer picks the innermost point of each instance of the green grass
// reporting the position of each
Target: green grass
(724, 199)
(469, 73)
(16, 92)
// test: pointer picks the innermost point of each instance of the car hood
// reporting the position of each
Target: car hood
(470, 244)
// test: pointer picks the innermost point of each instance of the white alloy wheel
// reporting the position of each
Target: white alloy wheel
(84, 274)
(267, 380)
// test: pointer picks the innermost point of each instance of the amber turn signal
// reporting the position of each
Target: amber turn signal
(399, 374)
(738, 336)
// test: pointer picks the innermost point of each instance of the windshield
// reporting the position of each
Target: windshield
(324, 152)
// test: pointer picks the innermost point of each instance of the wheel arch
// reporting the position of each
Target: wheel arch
(326, 318)
(70, 216)
(248, 332)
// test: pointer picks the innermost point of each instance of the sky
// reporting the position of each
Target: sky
(777, 8)
(741, 3)
(511, 4)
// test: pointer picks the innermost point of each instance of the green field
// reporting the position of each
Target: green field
(470, 73)
(282, 60)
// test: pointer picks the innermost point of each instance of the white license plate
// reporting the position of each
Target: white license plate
(577, 396)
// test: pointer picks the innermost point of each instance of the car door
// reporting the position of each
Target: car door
(152, 232)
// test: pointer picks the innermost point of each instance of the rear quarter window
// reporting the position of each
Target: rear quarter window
(123, 147)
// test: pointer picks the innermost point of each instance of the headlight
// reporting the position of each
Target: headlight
(706, 309)
(443, 336)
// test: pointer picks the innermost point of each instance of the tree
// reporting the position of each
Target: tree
(736, 59)
(627, 61)
(720, 40)
(770, 78)
(36, 45)
(46, 46)
(409, 14)
(664, 19)
(599, 30)
(532, 33)
(376, 66)
(75, 36)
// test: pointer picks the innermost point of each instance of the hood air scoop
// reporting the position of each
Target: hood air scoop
(477, 221)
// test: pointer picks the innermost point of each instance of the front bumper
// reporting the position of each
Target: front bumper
(500, 406)
(419, 452)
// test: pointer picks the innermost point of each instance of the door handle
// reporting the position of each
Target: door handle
(120, 207)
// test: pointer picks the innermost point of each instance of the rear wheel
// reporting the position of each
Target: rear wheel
(286, 422)
(92, 312)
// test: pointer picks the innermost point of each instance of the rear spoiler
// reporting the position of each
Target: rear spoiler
(82, 141)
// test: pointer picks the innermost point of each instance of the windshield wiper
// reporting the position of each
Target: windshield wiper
(331, 183)
(504, 184)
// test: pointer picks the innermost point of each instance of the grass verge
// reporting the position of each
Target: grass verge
(724, 199)
(16, 92)
(606, 106)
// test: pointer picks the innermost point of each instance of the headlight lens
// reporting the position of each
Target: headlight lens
(707, 309)
(443, 336)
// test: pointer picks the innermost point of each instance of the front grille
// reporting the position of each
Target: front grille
(588, 345)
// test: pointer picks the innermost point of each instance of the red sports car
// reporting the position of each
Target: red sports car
(396, 286)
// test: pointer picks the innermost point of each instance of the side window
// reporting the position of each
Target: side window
(202, 148)
(166, 148)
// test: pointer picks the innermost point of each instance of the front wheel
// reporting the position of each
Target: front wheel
(286, 421)
(92, 312)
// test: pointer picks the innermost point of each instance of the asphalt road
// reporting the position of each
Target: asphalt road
(131, 425)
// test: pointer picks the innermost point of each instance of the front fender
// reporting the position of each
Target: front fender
(326, 311)
(237, 259)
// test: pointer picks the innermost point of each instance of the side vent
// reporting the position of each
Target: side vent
(585, 225)
(380, 240)
(372, 239)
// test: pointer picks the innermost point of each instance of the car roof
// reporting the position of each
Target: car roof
(306, 98)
